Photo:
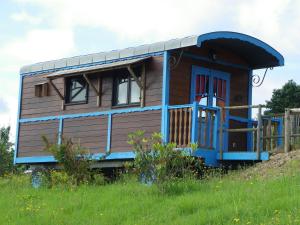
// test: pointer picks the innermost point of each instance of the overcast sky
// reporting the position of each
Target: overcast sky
(38, 30)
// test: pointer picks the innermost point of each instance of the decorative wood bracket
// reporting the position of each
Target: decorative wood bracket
(58, 93)
(97, 91)
(141, 83)
(135, 77)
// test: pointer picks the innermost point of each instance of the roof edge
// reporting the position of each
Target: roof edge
(243, 37)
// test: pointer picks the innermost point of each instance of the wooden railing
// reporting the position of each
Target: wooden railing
(180, 126)
(193, 123)
(206, 134)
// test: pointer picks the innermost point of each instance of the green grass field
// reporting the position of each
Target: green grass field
(230, 200)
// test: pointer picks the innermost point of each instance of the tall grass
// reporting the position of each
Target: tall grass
(218, 201)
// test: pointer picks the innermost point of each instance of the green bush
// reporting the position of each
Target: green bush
(6, 152)
(60, 178)
(162, 163)
(74, 159)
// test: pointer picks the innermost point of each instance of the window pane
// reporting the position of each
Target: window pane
(122, 90)
(135, 92)
(77, 90)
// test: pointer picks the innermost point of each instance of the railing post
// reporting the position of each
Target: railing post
(279, 131)
(221, 133)
(60, 131)
(194, 122)
(109, 127)
(259, 129)
(287, 130)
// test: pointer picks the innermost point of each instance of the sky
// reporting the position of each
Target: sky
(37, 30)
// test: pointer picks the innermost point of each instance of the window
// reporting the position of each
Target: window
(76, 90)
(126, 90)
(41, 90)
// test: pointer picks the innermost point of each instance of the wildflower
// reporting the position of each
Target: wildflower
(236, 220)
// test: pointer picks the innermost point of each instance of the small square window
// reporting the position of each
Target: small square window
(41, 90)
(76, 90)
(126, 90)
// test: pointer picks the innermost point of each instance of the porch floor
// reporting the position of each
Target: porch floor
(244, 156)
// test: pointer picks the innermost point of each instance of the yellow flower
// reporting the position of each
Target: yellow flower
(236, 220)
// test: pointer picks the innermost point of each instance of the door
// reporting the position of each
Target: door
(210, 88)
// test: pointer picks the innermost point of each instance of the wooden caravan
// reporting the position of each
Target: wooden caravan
(183, 88)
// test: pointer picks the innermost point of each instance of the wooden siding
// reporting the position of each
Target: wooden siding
(30, 137)
(126, 123)
(51, 105)
(89, 132)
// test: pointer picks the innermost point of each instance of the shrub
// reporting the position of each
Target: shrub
(74, 159)
(162, 163)
(6, 152)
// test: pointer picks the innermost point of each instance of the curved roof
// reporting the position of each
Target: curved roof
(256, 52)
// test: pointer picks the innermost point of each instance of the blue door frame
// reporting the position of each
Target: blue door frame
(211, 155)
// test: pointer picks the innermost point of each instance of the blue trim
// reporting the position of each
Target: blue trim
(244, 156)
(243, 37)
(165, 98)
(194, 123)
(91, 114)
(218, 61)
(60, 130)
(109, 124)
(36, 159)
(99, 156)
(120, 155)
(279, 131)
(210, 156)
(180, 106)
(18, 118)
(90, 64)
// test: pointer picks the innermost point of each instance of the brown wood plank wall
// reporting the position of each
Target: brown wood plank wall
(91, 132)
(122, 124)
(51, 105)
(30, 137)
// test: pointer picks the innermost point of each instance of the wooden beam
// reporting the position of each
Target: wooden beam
(143, 90)
(259, 132)
(97, 91)
(58, 93)
(56, 90)
(100, 91)
(287, 130)
(135, 77)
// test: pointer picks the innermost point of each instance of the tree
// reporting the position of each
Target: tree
(286, 97)
(6, 152)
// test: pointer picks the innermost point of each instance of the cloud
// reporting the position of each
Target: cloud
(39, 45)
(26, 18)
(3, 106)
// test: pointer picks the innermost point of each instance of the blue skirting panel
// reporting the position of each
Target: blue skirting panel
(209, 156)
(99, 156)
(243, 156)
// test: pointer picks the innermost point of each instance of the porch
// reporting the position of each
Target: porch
(211, 129)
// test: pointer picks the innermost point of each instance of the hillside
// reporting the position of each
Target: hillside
(265, 194)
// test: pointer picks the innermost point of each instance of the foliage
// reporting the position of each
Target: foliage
(230, 200)
(286, 97)
(161, 163)
(74, 159)
(6, 152)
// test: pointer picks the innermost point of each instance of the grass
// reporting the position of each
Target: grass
(230, 200)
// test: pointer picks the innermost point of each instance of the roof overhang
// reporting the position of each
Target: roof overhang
(97, 68)
(255, 52)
